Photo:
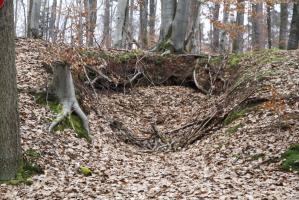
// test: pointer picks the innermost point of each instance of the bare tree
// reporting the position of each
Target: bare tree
(10, 150)
(216, 31)
(107, 32)
(33, 29)
(152, 20)
(91, 21)
(119, 34)
(269, 25)
(257, 26)
(293, 37)
(143, 34)
(238, 43)
(52, 21)
(283, 30)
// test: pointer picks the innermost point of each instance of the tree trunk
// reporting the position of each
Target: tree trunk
(238, 43)
(269, 29)
(58, 18)
(52, 21)
(25, 18)
(283, 30)
(224, 46)
(194, 26)
(10, 149)
(143, 24)
(33, 29)
(215, 41)
(16, 15)
(106, 32)
(64, 89)
(118, 36)
(80, 29)
(152, 22)
(167, 15)
(91, 20)
(179, 25)
(294, 31)
(257, 25)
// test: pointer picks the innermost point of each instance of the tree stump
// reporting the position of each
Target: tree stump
(64, 89)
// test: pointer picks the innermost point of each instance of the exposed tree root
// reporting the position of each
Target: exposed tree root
(63, 87)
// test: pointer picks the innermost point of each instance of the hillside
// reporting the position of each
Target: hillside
(239, 159)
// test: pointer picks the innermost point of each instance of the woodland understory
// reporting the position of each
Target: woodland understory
(161, 126)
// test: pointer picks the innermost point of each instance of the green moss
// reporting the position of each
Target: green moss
(127, 56)
(28, 168)
(85, 170)
(233, 129)
(235, 115)
(33, 154)
(290, 159)
(234, 60)
(75, 123)
(239, 113)
(71, 122)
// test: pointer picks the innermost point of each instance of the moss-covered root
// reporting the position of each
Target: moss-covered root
(290, 159)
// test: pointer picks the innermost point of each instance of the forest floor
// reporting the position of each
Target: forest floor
(238, 161)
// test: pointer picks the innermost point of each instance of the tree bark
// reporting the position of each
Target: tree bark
(152, 21)
(269, 28)
(224, 46)
(257, 25)
(118, 36)
(91, 21)
(294, 31)
(10, 150)
(283, 30)
(52, 21)
(179, 26)
(167, 15)
(143, 24)
(33, 29)
(238, 43)
(216, 31)
(64, 89)
(107, 32)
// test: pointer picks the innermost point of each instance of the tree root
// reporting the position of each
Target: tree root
(68, 108)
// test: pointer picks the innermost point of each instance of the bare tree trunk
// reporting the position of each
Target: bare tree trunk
(223, 45)
(168, 9)
(91, 20)
(25, 18)
(143, 24)
(216, 32)
(52, 21)
(33, 29)
(152, 22)
(294, 31)
(194, 25)
(269, 29)
(44, 23)
(130, 24)
(257, 23)
(80, 29)
(283, 30)
(238, 43)
(107, 32)
(16, 15)
(119, 34)
(64, 25)
(10, 149)
(58, 18)
(179, 25)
